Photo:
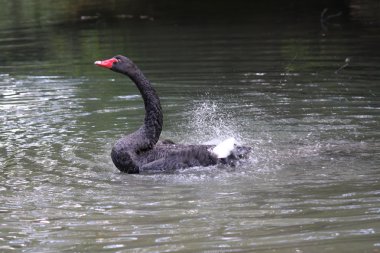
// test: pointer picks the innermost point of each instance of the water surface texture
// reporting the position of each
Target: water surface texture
(306, 99)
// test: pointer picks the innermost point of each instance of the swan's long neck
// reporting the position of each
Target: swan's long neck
(152, 127)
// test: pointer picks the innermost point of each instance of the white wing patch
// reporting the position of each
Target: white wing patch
(224, 149)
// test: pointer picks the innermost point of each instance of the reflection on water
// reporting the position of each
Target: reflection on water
(311, 184)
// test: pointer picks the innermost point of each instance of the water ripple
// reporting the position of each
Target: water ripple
(311, 184)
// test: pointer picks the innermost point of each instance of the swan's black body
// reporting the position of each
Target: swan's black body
(141, 152)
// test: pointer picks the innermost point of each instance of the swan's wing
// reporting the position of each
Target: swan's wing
(168, 157)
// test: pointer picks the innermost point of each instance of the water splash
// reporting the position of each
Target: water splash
(210, 122)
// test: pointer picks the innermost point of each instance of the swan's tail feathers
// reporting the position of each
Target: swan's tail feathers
(241, 152)
(228, 151)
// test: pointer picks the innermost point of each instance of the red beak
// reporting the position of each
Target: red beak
(106, 63)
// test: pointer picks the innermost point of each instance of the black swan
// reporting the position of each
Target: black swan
(142, 152)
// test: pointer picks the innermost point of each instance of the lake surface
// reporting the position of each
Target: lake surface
(306, 99)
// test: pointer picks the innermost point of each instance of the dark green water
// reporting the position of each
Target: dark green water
(311, 184)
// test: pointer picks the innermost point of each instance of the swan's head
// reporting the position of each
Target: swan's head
(118, 63)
